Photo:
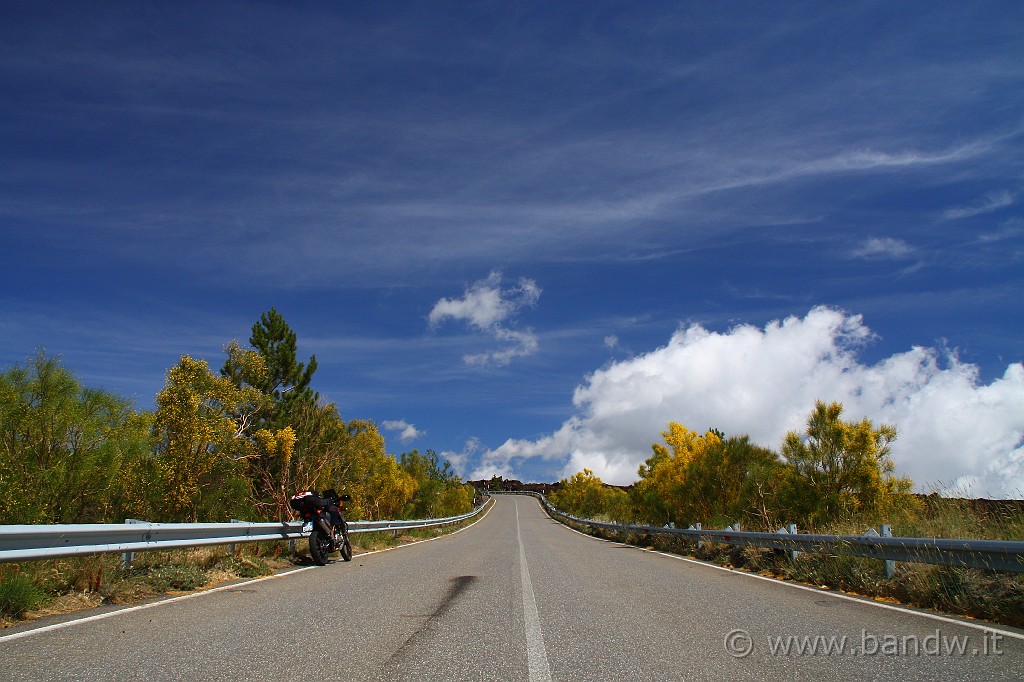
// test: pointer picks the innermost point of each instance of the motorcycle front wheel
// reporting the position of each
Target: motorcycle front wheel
(319, 547)
(346, 550)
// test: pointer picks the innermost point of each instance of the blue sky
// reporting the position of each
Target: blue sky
(528, 235)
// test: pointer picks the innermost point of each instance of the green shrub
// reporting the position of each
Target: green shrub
(18, 595)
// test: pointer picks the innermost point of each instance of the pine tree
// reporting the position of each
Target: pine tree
(286, 380)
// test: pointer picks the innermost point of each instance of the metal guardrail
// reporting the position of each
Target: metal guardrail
(996, 555)
(26, 542)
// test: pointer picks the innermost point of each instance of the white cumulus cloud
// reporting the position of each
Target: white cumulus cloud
(406, 431)
(460, 460)
(489, 308)
(954, 432)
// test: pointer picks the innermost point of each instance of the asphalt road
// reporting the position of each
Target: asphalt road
(514, 597)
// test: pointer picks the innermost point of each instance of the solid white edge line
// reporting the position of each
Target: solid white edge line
(193, 595)
(839, 595)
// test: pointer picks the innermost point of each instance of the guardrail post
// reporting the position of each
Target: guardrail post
(789, 530)
(890, 565)
(128, 557)
(700, 543)
(231, 546)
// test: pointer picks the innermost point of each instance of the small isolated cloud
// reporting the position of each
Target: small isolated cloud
(611, 341)
(490, 309)
(993, 201)
(883, 247)
(954, 432)
(406, 431)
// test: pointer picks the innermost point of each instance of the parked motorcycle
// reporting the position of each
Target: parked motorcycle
(323, 519)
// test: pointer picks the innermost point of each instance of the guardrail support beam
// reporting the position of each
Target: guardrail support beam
(890, 565)
(128, 557)
(232, 547)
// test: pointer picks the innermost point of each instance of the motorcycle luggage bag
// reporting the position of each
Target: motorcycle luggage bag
(306, 501)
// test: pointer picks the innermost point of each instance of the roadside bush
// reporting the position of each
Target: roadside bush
(18, 595)
(585, 495)
(68, 453)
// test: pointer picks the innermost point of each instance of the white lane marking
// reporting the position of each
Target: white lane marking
(142, 607)
(536, 655)
(838, 595)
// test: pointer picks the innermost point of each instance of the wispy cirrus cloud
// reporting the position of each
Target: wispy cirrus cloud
(993, 201)
(489, 308)
(883, 247)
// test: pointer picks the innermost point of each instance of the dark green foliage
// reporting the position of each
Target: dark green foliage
(287, 380)
(65, 449)
(708, 480)
(439, 491)
(226, 496)
(733, 480)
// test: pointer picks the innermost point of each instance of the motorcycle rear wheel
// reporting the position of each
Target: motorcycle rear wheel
(319, 547)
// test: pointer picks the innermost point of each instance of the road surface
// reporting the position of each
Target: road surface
(517, 597)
